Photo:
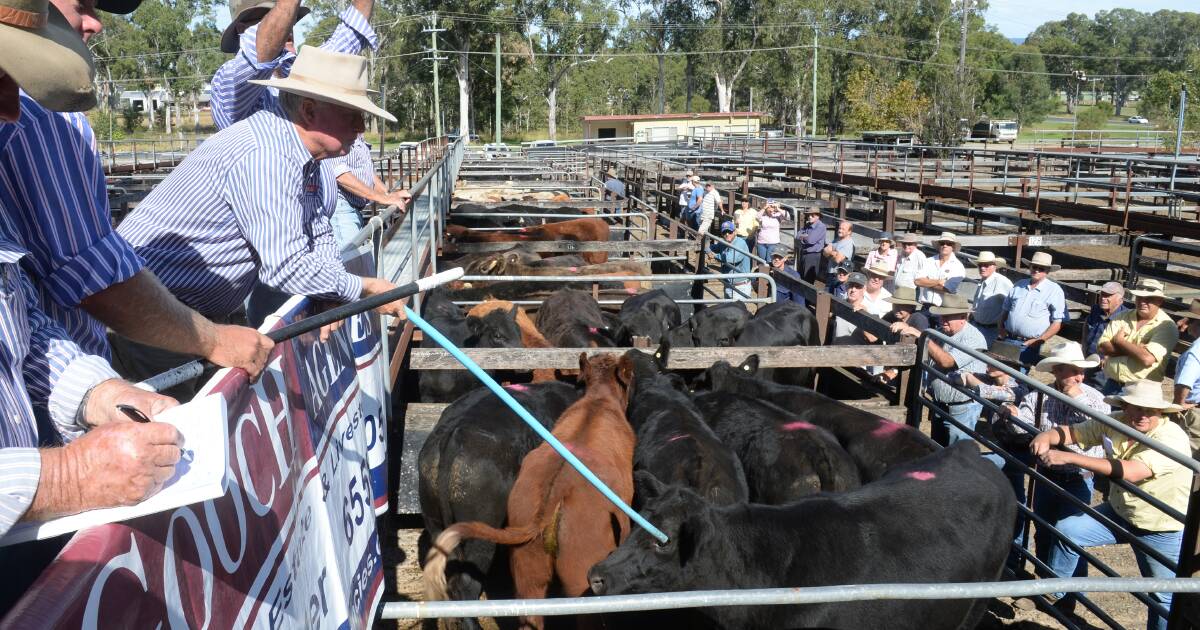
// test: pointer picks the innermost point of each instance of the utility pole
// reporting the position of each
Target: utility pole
(498, 87)
(814, 83)
(433, 30)
(962, 41)
(1178, 144)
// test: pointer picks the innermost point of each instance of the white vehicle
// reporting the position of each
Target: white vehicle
(496, 150)
(1137, 120)
(538, 144)
(995, 130)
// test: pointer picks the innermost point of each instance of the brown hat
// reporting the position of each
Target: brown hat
(1193, 311)
(45, 56)
(952, 304)
(1005, 352)
(904, 295)
(248, 12)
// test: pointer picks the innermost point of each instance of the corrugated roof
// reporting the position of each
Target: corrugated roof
(684, 116)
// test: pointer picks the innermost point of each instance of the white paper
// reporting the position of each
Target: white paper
(203, 425)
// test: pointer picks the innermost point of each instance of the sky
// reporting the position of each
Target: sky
(1018, 18)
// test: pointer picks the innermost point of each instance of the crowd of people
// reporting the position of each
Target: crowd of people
(264, 206)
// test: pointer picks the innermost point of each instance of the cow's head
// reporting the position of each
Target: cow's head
(607, 368)
(680, 336)
(723, 377)
(644, 565)
(497, 329)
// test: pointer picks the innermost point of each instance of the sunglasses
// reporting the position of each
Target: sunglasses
(1038, 268)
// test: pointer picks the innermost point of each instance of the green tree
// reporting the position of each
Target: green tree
(1095, 117)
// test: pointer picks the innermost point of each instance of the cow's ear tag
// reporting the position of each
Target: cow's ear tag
(745, 368)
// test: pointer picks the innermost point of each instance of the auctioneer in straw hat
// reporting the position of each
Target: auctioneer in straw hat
(45, 56)
(332, 77)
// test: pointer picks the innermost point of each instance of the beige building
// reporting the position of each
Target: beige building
(669, 127)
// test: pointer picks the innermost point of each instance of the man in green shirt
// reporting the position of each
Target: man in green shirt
(1156, 474)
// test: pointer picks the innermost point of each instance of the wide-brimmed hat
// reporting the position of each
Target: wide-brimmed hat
(1147, 394)
(1148, 288)
(947, 237)
(989, 258)
(612, 172)
(1067, 353)
(1193, 311)
(120, 7)
(904, 295)
(1042, 259)
(45, 56)
(884, 236)
(879, 268)
(812, 210)
(909, 239)
(332, 77)
(242, 11)
(952, 304)
(1004, 352)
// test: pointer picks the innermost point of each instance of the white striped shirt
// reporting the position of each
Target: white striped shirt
(358, 163)
(234, 98)
(250, 202)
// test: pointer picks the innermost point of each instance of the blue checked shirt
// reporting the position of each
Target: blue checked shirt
(248, 203)
(53, 194)
(358, 163)
(39, 365)
(234, 98)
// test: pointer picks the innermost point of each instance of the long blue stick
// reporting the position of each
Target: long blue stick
(532, 422)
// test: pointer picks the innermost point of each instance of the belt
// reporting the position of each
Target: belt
(955, 404)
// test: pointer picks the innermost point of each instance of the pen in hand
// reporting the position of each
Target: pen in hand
(135, 414)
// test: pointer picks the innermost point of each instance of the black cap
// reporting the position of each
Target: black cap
(120, 7)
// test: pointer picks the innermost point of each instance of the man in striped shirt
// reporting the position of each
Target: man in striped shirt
(52, 188)
(358, 185)
(248, 205)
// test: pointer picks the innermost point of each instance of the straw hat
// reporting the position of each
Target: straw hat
(952, 304)
(612, 172)
(879, 268)
(1042, 259)
(812, 210)
(243, 11)
(909, 239)
(45, 56)
(1146, 394)
(947, 237)
(904, 295)
(1067, 353)
(332, 77)
(1148, 288)
(989, 258)
(1193, 311)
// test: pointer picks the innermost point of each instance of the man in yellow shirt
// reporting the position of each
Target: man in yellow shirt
(1136, 343)
(1154, 473)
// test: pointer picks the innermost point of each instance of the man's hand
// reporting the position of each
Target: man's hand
(1054, 457)
(1042, 443)
(1030, 342)
(241, 347)
(102, 402)
(329, 329)
(375, 286)
(400, 198)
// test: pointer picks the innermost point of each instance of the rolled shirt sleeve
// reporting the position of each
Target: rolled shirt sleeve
(20, 472)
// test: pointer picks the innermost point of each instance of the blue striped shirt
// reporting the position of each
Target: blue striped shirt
(234, 98)
(53, 193)
(358, 163)
(250, 203)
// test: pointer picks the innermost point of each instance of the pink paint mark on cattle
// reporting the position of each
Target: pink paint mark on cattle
(799, 425)
(887, 428)
(517, 387)
(681, 436)
(572, 268)
(593, 330)
(920, 475)
(631, 291)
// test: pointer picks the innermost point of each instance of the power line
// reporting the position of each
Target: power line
(169, 53)
(859, 53)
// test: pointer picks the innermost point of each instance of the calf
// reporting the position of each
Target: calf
(876, 444)
(650, 314)
(779, 325)
(531, 337)
(719, 325)
(784, 458)
(466, 469)
(570, 318)
(489, 328)
(558, 524)
(673, 442)
(944, 518)
(591, 229)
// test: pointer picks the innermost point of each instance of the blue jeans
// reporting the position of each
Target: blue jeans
(946, 433)
(1086, 531)
(345, 222)
(764, 250)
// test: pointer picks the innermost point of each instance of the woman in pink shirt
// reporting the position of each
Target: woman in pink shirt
(883, 255)
(768, 230)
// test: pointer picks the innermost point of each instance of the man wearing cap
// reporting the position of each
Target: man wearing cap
(734, 255)
(1187, 377)
(941, 274)
(248, 205)
(260, 38)
(685, 194)
(116, 462)
(1142, 408)
(845, 333)
(1136, 343)
(1109, 304)
(693, 206)
(1068, 366)
(614, 188)
(809, 243)
(1034, 310)
(953, 312)
(839, 253)
(883, 254)
(909, 263)
(782, 293)
(358, 185)
(838, 287)
(989, 299)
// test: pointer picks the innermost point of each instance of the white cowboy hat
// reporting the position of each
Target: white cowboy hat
(1067, 353)
(1042, 259)
(1147, 394)
(947, 237)
(45, 56)
(332, 77)
(989, 258)
(1148, 288)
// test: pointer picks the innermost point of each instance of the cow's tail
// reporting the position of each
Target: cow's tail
(434, 576)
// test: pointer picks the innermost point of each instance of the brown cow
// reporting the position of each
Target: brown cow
(559, 525)
(574, 230)
(531, 337)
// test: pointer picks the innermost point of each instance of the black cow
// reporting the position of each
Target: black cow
(876, 444)
(784, 458)
(680, 336)
(673, 441)
(719, 325)
(944, 518)
(497, 329)
(781, 324)
(571, 318)
(467, 467)
(650, 314)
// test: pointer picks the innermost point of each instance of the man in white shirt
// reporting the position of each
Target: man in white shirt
(993, 288)
(876, 298)
(709, 204)
(942, 274)
(909, 264)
